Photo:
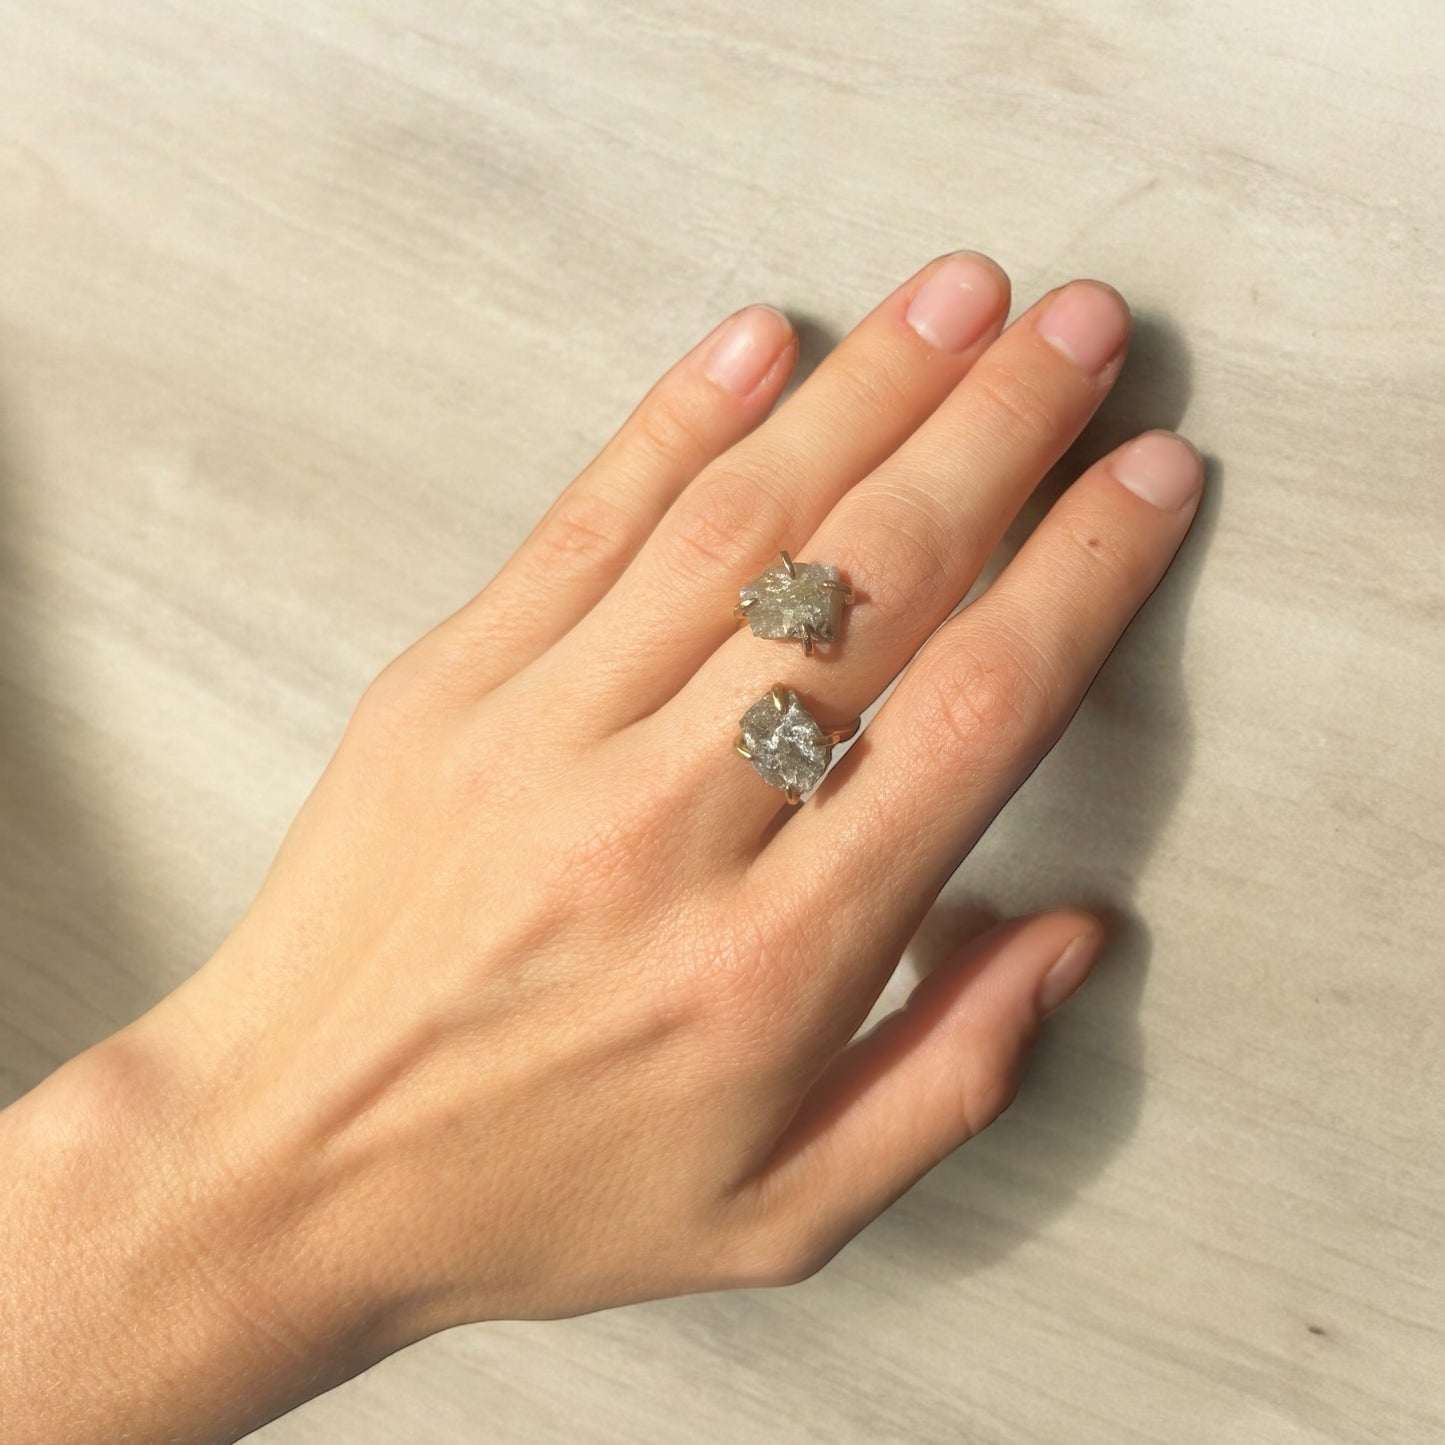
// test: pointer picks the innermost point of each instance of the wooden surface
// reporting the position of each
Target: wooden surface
(307, 307)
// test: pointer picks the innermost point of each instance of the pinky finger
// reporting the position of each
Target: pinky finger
(710, 399)
(925, 1080)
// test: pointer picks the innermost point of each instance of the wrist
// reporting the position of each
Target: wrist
(168, 1262)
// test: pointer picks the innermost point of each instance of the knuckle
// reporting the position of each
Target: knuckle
(1013, 406)
(605, 854)
(983, 701)
(986, 1099)
(615, 848)
(585, 529)
(728, 521)
(874, 391)
(591, 871)
(667, 430)
(393, 691)
(394, 709)
(903, 554)
(774, 1255)
(746, 967)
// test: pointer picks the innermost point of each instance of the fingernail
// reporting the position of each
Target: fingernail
(1069, 972)
(749, 345)
(1086, 321)
(953, 308)
(1162, 468)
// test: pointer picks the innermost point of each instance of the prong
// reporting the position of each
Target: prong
(841, 587)
(841, 735)
(779, 697)
(808, 638)
(792, 796)
(741, 748)
(788, 565)
(740, 609)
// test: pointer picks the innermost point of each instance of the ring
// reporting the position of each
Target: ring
(786, 744)
(803, 601)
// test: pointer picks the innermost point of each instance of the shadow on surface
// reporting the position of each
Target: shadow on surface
(816, 338)
(1079, 832)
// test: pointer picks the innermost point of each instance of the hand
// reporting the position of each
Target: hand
(546, 1002)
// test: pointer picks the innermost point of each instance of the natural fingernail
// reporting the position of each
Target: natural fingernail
(749, 345)
(1069, 971)
(1162, 468)
(1088, 322)
(953, 308)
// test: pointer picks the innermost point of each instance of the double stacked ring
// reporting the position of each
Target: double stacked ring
(785, 743)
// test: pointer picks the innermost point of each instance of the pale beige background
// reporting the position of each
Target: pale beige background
(308, 306)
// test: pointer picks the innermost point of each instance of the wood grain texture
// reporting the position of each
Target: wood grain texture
(307, 307)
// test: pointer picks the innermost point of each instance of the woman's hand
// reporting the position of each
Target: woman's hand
(546, 1002)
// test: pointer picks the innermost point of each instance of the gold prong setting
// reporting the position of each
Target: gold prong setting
(785, 743)
(799, 602)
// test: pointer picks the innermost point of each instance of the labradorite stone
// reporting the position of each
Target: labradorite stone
(789, 749)
(784, 606)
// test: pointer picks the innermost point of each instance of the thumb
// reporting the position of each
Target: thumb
(923, 1081)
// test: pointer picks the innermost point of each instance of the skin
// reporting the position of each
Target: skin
(545, 1004)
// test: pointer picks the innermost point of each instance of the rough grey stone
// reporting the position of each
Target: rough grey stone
(788, 748)
(784, 606)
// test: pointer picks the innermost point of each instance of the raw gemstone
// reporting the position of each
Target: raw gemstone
(784, 606)
(788, 748)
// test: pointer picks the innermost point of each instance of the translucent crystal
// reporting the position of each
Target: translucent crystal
(784, 606)
(788, 748)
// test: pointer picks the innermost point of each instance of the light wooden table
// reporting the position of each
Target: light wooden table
(308, 306)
